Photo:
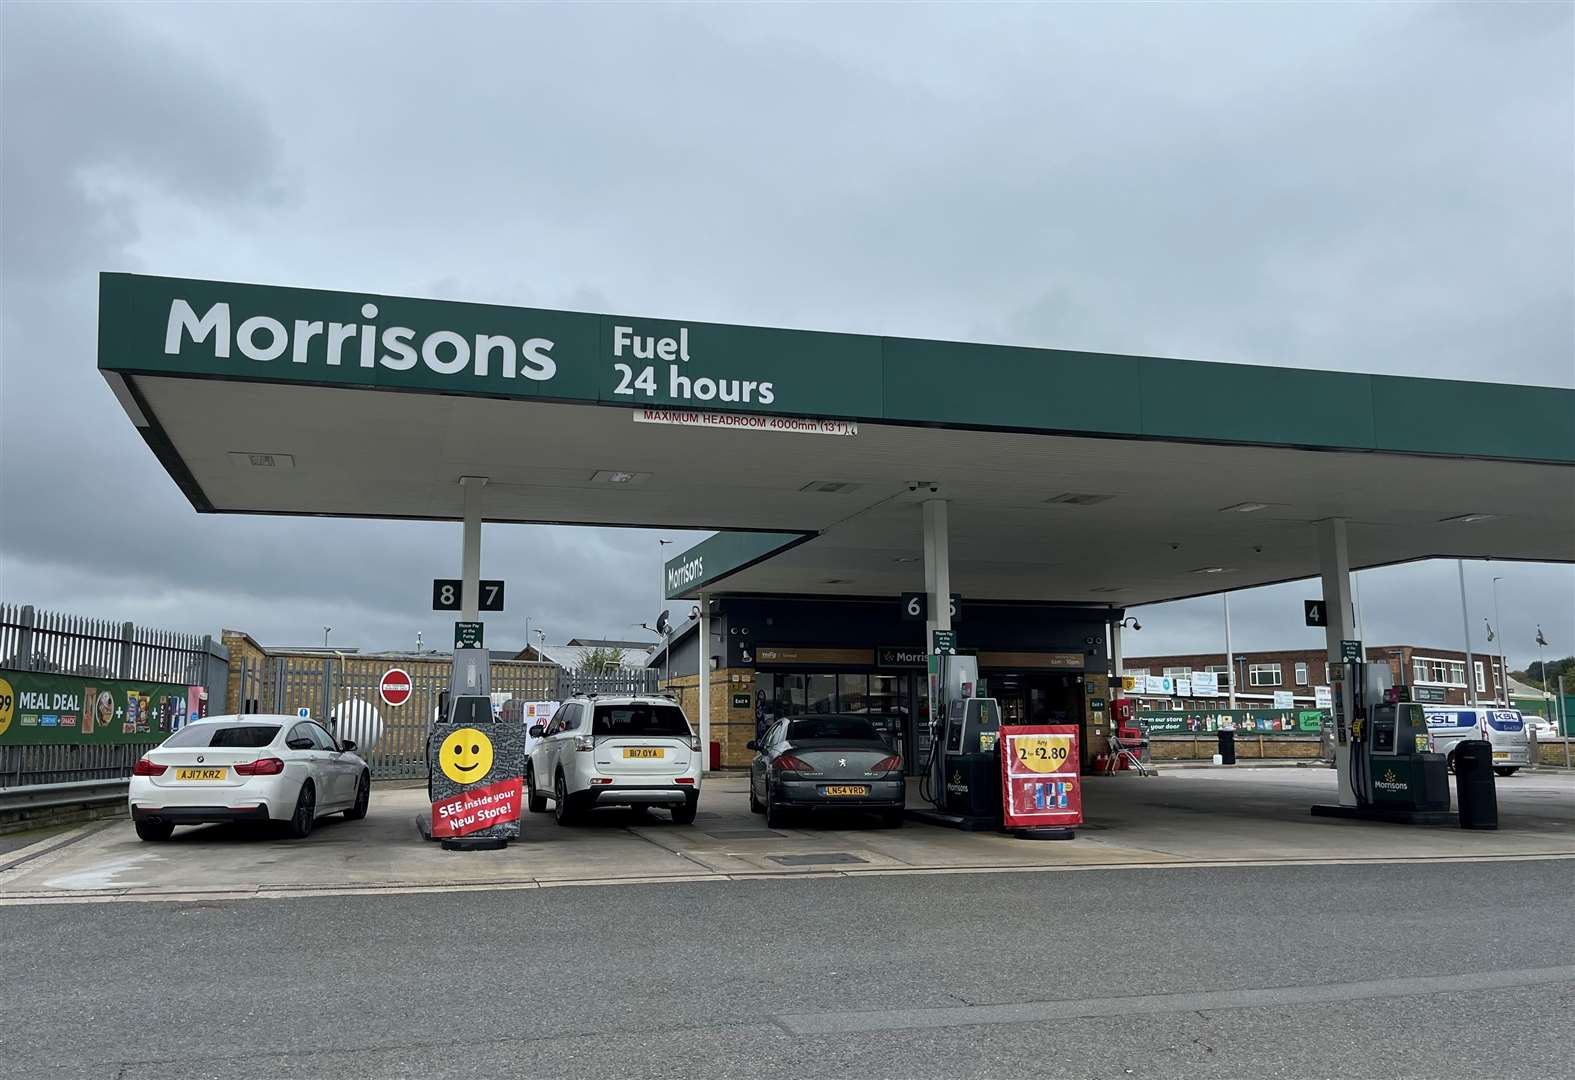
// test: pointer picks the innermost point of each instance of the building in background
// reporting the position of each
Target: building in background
(1165, 682)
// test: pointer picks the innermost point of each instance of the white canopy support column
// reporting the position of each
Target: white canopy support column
(470, 558)
(705, 683)
(937, 569)
(1115, 654)
(1334, 560)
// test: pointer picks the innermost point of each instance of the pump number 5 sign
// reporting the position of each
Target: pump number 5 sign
(1040, 785)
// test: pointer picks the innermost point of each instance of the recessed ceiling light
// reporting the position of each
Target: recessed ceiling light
(1107, 588)
(1469, 519)
(830, 487)
(835, 581)
(1077, 498)
(1213, 570)
(906, 559)
(1244, 508)
(619, 476)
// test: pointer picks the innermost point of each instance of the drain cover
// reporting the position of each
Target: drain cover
(817, 860)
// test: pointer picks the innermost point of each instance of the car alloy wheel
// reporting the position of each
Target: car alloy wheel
(560, 801)
(363, 796)
(305, 812)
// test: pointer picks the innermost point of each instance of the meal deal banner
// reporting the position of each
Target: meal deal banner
(1039, 776)
(478, 808)
(39, 709)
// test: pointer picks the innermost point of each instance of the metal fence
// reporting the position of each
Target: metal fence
(344, 691)
(49, 641)
(639, 680)
(64, 763)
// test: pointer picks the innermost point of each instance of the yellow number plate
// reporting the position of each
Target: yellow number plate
(642, 752)
(1501, 755)
(848, 789)
(201, 774)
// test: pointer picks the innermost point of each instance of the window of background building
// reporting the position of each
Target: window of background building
(1223, 672)
(1457, 673)
(820, 693)
(1419, 671)
(1263, 675)
(1134, 671)
(1301, 674)
(1481, 674)
(1178, 671)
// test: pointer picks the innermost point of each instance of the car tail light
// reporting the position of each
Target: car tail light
(267, 766)
(694, 743)
(144, 767)
(887, 764)
(684, 780)
(585, 742)
(601, 780)
(793, 763)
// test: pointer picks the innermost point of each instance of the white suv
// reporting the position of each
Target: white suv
(614, 751)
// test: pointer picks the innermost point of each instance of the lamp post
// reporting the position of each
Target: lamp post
(1503, 661)
(1465, 623)
(326, 631)
(1230, 661)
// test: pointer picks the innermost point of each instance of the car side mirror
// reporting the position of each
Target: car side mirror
(346, 745)
(752, 744)
(536, 731)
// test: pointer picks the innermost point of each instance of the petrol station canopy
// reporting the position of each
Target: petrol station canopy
(1071, 476)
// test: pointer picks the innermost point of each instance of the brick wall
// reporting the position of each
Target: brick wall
(730, 727)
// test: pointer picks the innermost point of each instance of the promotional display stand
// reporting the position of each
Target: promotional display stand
(477, 785)
(1041, 796)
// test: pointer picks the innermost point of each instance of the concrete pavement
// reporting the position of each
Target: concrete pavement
(1283, 971)
(1202, 817)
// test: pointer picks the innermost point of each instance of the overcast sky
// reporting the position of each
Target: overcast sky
(1380, 188)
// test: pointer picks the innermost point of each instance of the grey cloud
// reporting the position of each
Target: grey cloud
(1378, 188)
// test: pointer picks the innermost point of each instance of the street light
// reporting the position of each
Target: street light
(326, 631)
(1503, 661)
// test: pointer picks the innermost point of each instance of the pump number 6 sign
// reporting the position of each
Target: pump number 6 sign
(1042, 753)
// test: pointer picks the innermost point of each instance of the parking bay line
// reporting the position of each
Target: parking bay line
(1031, 1012)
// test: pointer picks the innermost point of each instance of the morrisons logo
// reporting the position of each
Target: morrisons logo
(679, 576)
(335, 344)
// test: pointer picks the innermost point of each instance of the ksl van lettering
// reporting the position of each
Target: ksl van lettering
(263, 339)
(679, 576)
(680, 387)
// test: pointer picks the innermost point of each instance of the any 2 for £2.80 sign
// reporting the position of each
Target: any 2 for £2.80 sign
(1039, 776)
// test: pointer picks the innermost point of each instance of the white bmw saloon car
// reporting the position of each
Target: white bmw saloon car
(247, 768)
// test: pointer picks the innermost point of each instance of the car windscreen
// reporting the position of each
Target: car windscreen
(1505, 720)
(242, 735)
(832, 727)
(639, 721)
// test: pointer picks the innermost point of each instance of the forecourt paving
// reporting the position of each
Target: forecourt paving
(1185, 818)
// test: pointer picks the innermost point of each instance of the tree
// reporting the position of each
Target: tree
(1533, 673)
(601, 660)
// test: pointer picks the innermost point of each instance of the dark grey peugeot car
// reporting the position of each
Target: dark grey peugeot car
(829, 762)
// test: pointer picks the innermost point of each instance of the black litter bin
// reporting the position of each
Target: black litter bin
(1474, 791)
(1227, 747)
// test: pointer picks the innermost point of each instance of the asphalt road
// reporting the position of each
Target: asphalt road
(1412, 970)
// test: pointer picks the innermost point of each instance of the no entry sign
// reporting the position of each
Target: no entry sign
(395, 687)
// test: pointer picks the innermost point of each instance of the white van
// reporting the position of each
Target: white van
(1449, 725)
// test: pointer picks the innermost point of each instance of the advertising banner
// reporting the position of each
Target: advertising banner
(39, 709)
(1205, 683)
(1265, 721)
(477, 808)
(1039, 777)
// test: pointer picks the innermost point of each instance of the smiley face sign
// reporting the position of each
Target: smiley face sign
(465, 756)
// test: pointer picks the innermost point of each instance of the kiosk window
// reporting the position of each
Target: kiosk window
(820, 693)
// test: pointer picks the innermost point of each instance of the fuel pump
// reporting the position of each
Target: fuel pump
(963, 778)
(1382, 760)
